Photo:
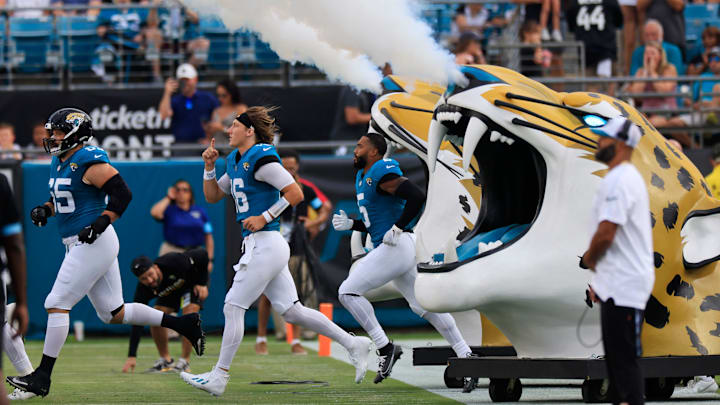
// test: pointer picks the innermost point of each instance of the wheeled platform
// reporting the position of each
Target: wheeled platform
(661, 373)
(440, 355)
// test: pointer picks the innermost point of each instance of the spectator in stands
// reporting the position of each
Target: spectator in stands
(191, 109)
(533, 58)
(470, 18)
(599, 38)
(38, 134)
(8, 148)
(295, 224)
(352, 116)
(547, 7)
(631, 23)
(231, 105)
(702, 97)
(180, 25)
(700, 63)
(499, 18)
(132, 32)
(185, 225)
(655, 65)
(653, 31)
(468, 50)
(30, 13)
(87, 7)
(669, 13)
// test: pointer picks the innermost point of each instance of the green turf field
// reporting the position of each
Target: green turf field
(90, 373)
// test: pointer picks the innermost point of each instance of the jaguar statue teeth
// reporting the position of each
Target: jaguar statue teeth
(512, 179)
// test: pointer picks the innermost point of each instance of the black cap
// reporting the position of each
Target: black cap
(140, 265)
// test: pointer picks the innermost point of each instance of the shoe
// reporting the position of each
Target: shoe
(180, 366)
(37, 382)
(701, 384)
(161, 365)
(359, 356)
(545, 35)
(212, 381)
(469, 383)
(261, 348)
(297, 349)
(557, 36)
(192, 330)
(20, 395)
(387, 356)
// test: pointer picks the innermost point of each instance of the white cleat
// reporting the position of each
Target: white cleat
(212, 382)
(20, 395)
(359, 356)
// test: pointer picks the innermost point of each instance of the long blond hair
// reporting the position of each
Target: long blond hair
(663, 57)
(263, 122)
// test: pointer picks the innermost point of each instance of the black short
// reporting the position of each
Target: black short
(179, 299)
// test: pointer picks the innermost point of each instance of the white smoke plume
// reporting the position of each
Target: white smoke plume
(347, 39)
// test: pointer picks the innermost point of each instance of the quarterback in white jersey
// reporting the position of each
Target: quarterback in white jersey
(255, 178)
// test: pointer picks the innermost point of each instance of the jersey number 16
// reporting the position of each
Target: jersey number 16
(241, 202)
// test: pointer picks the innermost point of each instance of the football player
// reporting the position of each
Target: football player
(255, 178)
(388, 203)
(81, 178)
(177, 280)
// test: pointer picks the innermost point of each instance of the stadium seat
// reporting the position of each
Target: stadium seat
(31, 42)
(3, 39)
(697, 17)
(221, 42)
(78, 35)
(266, 57)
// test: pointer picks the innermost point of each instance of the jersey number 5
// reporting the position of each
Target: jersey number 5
(241, 202)
(59, 195)
(363, 210)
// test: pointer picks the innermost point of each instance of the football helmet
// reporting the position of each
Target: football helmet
(75, 123)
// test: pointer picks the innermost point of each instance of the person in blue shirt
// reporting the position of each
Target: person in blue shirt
(388, 203)
(81, 181)
(191, 110)
(653, 31)
(185, 224)
(255, 179)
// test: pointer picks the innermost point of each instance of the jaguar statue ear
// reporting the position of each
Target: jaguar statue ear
(701, 239)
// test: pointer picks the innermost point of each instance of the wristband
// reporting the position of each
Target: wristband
(267, 217)
(276, 209)
(209, 175)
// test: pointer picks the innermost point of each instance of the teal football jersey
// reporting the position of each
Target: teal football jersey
(77, 204)
(252, 197)
(379, 210)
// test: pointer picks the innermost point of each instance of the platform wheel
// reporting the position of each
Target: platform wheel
(505, 389)
(659, 389)
(595, 391)
(452, 382)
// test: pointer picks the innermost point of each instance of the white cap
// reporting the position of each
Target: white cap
(622, 129)
(186, 71)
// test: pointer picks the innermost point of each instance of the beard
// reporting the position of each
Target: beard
(605, 154)
(359, 162)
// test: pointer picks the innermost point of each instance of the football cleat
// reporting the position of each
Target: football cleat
(359, 353)
(212, 382)
(387, 356)
(37, 382)
(161, 365)
(181, 366)
(192, 330)
(20, 395)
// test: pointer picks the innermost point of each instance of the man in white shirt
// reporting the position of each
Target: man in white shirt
(621, 257)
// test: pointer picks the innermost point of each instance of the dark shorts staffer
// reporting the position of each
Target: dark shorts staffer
(621, 258)
(178, 281)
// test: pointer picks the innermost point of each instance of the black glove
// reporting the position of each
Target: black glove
(582, 263)
(588, 301)
(40, 214)
(90, 233)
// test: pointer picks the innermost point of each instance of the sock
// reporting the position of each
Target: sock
(261, 339)
(363, 312)
(15, 350)
(47, 363)
(58, 325)
(232, 335)
(445, 324)
(311, 319)
(141, 314)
